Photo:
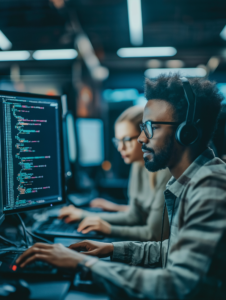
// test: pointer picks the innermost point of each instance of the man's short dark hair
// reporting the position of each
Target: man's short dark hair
(169, 88)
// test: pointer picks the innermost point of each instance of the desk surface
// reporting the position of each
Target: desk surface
(76, 295)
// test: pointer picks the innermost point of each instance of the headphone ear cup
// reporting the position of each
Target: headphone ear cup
(187, 134)
(177, 134)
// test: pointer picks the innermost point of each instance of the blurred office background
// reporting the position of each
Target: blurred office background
(98, 53)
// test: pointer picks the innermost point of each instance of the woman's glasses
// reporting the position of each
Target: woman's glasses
(148, 129)
(126, 141)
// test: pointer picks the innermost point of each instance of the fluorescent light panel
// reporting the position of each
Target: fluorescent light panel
(135, 22)
(223, 33)
(187, 72)
(55, 54)
(14, 55)
(118, 95)
(146, 52)
(5, 43)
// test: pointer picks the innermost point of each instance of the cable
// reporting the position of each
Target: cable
(163, 219)
(24, 230)
(171, 221)
(38, 237)
(8, 242)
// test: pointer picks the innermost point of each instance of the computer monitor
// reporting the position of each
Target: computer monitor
(31, 160)
(2, 216)
(69, 138)
(222, 89)
(90, 133)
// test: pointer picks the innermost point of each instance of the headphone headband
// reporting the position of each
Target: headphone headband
(191, 100)
(188, 132)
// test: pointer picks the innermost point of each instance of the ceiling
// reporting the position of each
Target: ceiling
(191, 26)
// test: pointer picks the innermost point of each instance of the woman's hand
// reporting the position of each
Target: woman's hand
(70, 214)
(107, 205)
(94, 223)
(93, 248)
(104, 204)
(55, 254)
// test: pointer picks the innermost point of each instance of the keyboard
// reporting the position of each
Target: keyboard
(8, 265)
(56, 227)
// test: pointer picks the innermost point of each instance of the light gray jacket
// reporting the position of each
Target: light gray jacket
(194, 267)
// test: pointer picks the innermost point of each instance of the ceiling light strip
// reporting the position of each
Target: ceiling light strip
(14, 55)
(58, 54)
(135, 22)
(146, 52)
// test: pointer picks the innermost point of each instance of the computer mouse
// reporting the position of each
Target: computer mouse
(13, 289)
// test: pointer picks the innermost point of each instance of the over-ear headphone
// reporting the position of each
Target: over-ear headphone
(188, 132)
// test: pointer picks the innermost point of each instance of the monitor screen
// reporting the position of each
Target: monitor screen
(90, 133)
(31, 151)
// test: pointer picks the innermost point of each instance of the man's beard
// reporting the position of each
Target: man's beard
(161, 159)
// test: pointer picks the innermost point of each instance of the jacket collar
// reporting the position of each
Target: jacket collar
(176, 187)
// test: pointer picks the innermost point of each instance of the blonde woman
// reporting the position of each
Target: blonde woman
(142, 220)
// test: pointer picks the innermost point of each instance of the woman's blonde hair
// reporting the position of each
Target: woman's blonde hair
(134, 114)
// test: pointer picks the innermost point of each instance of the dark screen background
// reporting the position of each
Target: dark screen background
(48, 145)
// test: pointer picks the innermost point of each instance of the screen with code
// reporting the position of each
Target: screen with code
(30, 152)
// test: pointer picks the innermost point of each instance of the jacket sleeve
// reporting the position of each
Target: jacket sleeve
(136, 253)
(197, 249)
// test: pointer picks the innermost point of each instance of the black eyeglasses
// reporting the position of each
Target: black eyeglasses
(125, 141)
(148, 130)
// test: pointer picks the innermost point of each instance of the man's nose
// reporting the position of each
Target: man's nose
(142, 139)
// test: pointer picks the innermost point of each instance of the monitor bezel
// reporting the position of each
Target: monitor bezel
(63, 201)
(2, 218)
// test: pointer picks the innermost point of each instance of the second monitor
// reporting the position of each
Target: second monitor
(90, 134)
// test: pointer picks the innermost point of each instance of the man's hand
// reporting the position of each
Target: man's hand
(94, 223)
(70, 214)
(55, 254)
(94, 248)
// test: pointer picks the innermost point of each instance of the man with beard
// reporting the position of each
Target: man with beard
(192, 260)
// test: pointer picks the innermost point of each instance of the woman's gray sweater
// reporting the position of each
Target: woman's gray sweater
(142, 222)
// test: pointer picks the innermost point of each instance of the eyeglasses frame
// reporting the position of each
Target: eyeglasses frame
(123, 140)
(142, 126)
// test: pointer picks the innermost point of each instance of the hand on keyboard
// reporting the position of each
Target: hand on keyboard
(55, 254)
(70, 214)
(94, 223)
(94, 248)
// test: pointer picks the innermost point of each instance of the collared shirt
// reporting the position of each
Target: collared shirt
(194, 256)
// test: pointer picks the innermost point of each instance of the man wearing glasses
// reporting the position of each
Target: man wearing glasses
(193, 259)
(142, 219)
